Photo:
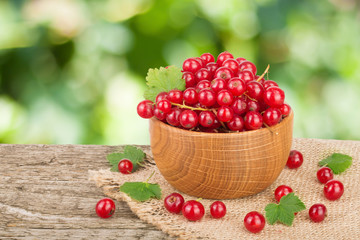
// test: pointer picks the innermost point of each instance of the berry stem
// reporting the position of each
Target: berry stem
(191, 108)
(222, 124)
(262, 75)
(152, 174)
(268, 127)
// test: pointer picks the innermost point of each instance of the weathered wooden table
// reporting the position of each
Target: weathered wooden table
(45, 194)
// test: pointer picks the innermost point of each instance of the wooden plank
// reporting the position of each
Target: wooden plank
(45, 193)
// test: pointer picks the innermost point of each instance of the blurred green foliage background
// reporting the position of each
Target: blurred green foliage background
(74, 71)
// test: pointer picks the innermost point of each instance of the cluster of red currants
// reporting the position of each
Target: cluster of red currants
(192, 210)
(220, 96)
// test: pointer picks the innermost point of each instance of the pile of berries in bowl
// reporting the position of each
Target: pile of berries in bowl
(226, 133)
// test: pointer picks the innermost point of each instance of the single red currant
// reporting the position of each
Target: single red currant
(203, 74)
(272, 116)
(173, 116)
(201, 61)
(269, 83)
(281, 191)
(212, 67)
(224, 98)
(254, 90)
(105, 208)
(232, 64)
(247, 65)
(285, 109)
(192, 65)
(236, 86)
(206, 118)
(317, 212)
(159, 114)
(253, 106)
(207, 57)
(225, 113)
(274, 97)
(222, 57)
(174, 202)
(240, 59)
(175, 96)
(295, 159)
(190, 96)
(246, 76)
(253, 120)
(333, 190)
(161, 96)
(164, 105)
(188, 119)
(254, 222)
(217, 209)
(224, 73)
(207, 97)
(193, 210)
(218, 84)
(236, 123)
(324, 174)
(145, 109)
(239, 106)
(190, 80)
(202, 85)
(125, 166)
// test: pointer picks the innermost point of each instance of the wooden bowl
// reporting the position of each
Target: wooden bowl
(221, 165)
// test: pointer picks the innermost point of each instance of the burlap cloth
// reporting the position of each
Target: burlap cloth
(342, 222)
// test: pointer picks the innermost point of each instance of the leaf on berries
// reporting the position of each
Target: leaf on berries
(337, 162)
(163, 80)
(135, 155)
(284, 211)
(141, 191)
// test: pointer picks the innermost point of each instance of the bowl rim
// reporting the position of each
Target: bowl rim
(194, 133)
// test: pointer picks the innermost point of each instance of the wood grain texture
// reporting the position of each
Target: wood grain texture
(221, 165)
(45, 194)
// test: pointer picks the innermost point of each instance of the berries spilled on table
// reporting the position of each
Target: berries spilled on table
(225, 95)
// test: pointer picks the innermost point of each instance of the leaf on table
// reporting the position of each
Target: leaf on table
(337, 162)
(163, 80)
(141, 191)
(134, 154)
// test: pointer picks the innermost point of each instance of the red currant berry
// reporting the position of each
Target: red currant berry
(324, 174)
(125, 166)
(193, 210)
(175, 96)
(225, 113)
(272, 116)
(224, 73)
(333, 190)
(192, 65)
(254, 90)
(218, 84)
(285, 109)
(174, 202)
(317, 212)
(161, 96)
(232, 64)
(269, 83)
(207, 97)
(203, 74)
(239, 106)
(274, 97)
(145, 109)
(201, 61)
(236, 123)
(207, 57)
(246, 76)
(173, 116)
(216, 124)
(159, 114)
(164, 105)
(254, 222)
(206, 119)
(212, 67)
(253, 106)
(188, 119)
(236, 86)
(217, 209)
(281, 191)
(190, 96)
(240, 59)
(224, 98)
(247, 65)
(253, 120)
(190, 80)
(105, 208)
(295, 159)
(202, 85)
(222, 57)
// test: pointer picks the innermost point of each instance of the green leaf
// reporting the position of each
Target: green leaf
(163, 80)
(141, 191)
(132, 153)
(284, 211)
(337, 162)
